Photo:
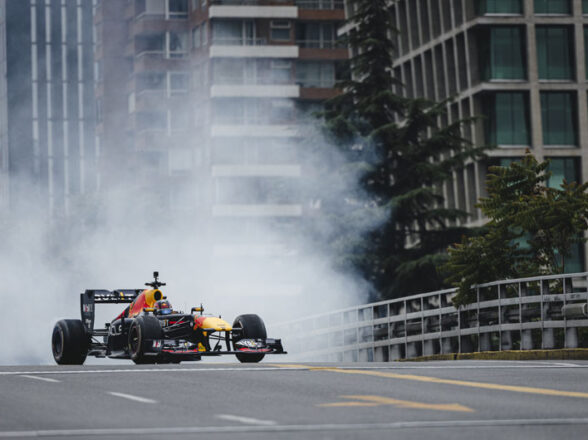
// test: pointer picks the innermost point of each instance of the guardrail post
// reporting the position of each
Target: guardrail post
(412, 349)
(571, 337)
(548, 338)
(485, 342)
(506, 340)
(526, 340)
(395, 352)
(429, 347)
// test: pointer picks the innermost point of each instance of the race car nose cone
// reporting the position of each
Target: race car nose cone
(216, 324)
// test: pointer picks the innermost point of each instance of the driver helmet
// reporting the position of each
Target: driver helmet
(163, 307)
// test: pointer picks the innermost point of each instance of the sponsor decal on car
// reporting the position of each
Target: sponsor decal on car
(248, 343)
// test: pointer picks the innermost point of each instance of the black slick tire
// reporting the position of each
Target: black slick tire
(141, 332)
(69, 342)
(252, 328)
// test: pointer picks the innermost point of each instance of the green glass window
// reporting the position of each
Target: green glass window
(553, 7)
(562, 168)
(503, 53)
(585, 6)
(558, 118)
(555, 48)
(507, 118)
(586, 50)
(575, 261)
(500, 7)
(567, 168)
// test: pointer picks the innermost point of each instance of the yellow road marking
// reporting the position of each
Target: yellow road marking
(380, 400)
(463, 383)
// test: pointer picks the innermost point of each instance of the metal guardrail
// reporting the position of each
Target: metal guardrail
(520, 314)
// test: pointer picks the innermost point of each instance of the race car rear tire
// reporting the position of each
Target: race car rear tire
(69, 342)
(252, 328)
(141, 331)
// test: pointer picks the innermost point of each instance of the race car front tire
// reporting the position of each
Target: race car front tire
(252, 328)
(142, 330)
(69, 342)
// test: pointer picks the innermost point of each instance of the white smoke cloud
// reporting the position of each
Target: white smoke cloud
(120, 236)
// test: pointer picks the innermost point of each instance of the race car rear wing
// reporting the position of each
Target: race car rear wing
(90, 298)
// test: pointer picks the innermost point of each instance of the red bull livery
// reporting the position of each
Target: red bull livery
(150, 331)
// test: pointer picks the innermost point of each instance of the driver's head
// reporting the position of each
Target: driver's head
(163, 307)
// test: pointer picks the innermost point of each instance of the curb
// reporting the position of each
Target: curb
(508, 355)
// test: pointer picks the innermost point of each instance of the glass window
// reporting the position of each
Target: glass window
(574, 262)
(315, 74)
(318, 35)
(233, 32)
(558, 118)
(150, 81)
(280, 71)
(585, 6)
(503, 53)
(507, 118)
(235, 71)
(500, 7)
(555, 56)
(567, 168)
(151, 43)
(563, 168)
(280, 30)
(553, 6)
(177, 8)
(586, 51)
(177, 44)
(178, 82)
(152, 7)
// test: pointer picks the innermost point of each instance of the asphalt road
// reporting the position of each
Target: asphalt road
(437, 400)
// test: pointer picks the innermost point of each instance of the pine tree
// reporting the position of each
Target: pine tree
(531, 228)
(403, 156)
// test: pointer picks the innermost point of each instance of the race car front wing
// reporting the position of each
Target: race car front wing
(173, 348)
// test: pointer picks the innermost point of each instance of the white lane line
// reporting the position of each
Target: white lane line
(131, 397)
(45, 379)
(564, 364)
(246, 420)
(301, 368)
(168, 431)
(146, 370)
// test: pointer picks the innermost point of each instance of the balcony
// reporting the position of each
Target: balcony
(321, 10)
(255, 91)
(243, 9)
(256, 171)
(254, 130)
(293, 210)
(250, 48)
(321, 5)
(156, 60)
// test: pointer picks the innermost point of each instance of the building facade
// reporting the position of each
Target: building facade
(520, 64)
(47, 148)
(208, 96)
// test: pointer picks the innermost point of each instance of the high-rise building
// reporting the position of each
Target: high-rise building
(519, 64)
(47, 148)
(207, 95)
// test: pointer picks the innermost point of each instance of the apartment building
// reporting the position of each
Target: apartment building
(520, 64)
(213, 93)
(47, 149)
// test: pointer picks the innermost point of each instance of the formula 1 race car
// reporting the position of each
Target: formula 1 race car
(149, 331)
